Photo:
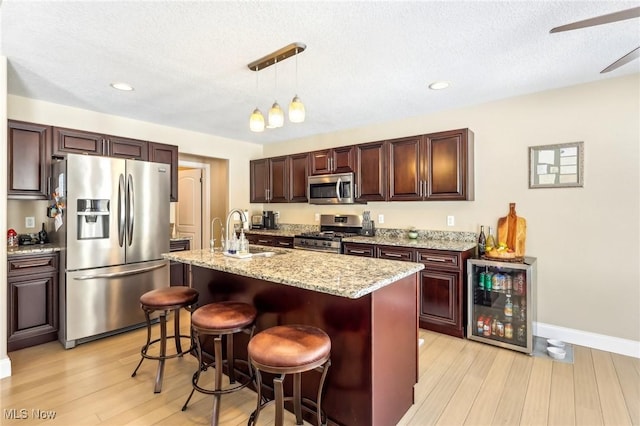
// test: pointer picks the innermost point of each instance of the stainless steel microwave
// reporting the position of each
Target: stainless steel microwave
(336, 188)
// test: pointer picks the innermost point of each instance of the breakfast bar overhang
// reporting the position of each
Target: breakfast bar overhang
(368, 307)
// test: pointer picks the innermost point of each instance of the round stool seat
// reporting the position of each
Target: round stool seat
(289, 347)
(165, 298)
(223, 316)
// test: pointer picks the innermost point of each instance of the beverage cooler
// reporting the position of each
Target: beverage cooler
(501, 305)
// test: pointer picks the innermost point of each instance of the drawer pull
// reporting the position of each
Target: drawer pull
(283, 243)
(263, 241)
(357, 251)
(436, 259)
(33, 264)
(392, 254)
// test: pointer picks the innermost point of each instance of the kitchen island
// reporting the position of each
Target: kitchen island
(368, 307)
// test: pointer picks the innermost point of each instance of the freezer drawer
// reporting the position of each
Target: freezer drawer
(106, 300)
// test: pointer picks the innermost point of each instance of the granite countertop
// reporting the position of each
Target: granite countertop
(340, 275)
(419, 243)
(32, 249)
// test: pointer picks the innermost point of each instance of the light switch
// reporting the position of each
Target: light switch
(380, 218)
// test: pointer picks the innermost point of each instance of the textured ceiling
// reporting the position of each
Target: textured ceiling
(366, 62)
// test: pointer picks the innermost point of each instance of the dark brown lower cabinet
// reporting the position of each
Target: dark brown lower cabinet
(442, 290)
(270, 240)
(32, 295)
(178, 271)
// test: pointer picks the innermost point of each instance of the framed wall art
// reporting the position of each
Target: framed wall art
(556, 166)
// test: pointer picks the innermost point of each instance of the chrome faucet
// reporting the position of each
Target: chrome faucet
(212, 242)
(243, 218)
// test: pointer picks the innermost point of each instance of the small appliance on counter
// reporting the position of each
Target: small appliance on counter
(269, 220)
(256, 221)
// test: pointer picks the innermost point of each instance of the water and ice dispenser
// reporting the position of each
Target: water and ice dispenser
(93, 219)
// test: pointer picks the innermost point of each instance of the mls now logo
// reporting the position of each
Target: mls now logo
(16, 414)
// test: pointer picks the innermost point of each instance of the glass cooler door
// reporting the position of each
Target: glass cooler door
(501, 305)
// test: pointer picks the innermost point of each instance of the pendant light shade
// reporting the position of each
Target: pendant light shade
(256, 121)
(276, 116)
(296, 110)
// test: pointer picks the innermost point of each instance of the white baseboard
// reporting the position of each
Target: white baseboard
(592, 340)
(5, 367)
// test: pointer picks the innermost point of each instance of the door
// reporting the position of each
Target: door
(279, 180)
(405, 169)
(95, 210)
(147, 212)
(189, 208)
(29, 147)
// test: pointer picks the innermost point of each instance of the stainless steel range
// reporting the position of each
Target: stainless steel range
(333, 228)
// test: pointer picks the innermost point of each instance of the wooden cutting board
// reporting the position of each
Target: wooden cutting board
(512, 230)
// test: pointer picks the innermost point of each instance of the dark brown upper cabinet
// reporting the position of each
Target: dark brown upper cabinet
(279, 179)
(168, 154)
(81, 142)
(371, 171)
(333, 160)
(29, 160)
(437, 166)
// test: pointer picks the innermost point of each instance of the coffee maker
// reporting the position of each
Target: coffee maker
(269, 220)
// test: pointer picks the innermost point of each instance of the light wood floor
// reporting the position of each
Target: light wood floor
(461, 382)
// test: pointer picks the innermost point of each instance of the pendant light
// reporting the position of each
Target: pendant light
(276, 116)
(256, 121)
(296, 107)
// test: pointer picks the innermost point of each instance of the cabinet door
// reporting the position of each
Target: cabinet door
(77, 142)
(168, 154)
(441, 302)
(371, 174)
(298, 172)
(343, 159)
(357, 249)
(320, 162)
(259, 180)
(128, 148)
(278, 180)
(32, 296)
(405, 169)
(29, 160)
(449, 165)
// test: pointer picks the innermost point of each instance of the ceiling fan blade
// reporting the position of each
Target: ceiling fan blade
(634, 12)
(634, 54)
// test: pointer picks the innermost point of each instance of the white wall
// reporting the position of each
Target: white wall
(5, 363)
(586, 239)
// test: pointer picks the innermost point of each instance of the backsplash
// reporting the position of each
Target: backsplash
(18, 210)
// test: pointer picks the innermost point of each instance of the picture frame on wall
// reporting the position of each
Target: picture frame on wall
(556, 166)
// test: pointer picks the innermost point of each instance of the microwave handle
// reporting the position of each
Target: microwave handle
(338, 185)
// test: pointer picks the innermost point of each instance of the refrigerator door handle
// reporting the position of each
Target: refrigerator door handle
(130, 206)
(119, 274)
(121, 210)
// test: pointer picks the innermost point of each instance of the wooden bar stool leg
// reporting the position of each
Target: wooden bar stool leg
(325, 370)
(297, 404)
(230, 364)
(217, 350)
(163, 351)
(253, 419)
(279, 395)
(196, 375)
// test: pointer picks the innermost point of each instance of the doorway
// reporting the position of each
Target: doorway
(203, 194)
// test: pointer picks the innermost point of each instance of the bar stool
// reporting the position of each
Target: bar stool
(165, 300)
(289, 349)
(218, 320)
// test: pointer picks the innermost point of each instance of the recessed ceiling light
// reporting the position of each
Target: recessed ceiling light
(439, 85)
(122, 86)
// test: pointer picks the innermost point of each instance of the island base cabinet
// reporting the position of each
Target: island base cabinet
(374, 342)
(32, 294)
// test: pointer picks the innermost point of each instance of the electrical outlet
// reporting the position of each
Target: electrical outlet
(380, 218)
(451, 221)
(317, 217)
(29, 222)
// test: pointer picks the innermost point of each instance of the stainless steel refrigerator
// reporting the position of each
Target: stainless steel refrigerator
(113, 230)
